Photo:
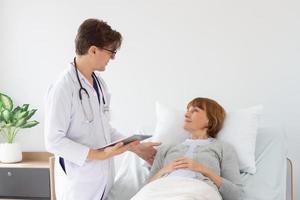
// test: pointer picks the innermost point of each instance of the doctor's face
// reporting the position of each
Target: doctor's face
(101, 57)
(195, 119)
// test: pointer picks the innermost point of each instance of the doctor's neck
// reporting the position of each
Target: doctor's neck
(84, 66)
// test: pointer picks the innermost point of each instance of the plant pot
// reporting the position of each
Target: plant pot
(10, 153)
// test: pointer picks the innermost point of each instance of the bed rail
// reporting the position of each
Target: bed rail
(289, 180)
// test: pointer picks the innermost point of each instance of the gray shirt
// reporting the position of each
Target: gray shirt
(192, 144)
(218, 156)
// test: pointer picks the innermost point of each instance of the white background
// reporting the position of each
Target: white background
(241, 53)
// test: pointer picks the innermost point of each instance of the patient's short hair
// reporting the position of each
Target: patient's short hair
(214, 111)
(95, 32)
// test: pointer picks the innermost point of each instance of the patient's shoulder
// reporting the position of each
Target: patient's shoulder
(226, 146)
(228, 151)
(165, 149)
(222, 147)
(222, 144)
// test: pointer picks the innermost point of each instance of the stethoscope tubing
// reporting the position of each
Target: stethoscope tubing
(83, 89)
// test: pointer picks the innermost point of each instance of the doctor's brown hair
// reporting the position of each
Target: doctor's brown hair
(215, 114)
(94, 32)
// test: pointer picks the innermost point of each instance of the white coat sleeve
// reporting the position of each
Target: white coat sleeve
(57, 121)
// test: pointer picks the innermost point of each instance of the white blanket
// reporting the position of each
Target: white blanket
(177, 188)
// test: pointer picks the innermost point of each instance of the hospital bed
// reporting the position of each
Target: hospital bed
(272, 181)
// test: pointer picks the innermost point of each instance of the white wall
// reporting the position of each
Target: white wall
(240, 53)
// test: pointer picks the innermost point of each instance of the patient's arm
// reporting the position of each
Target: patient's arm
(231, 187)
(229, 182)
(212, 176)
(158, 163)
(165, 170)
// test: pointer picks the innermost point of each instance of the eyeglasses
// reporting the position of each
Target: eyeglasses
(113, 53)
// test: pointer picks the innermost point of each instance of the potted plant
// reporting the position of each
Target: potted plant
(11, 121)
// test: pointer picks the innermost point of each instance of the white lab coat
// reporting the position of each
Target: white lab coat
(69, 135)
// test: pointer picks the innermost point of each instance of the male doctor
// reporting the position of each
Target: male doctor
(77, 119)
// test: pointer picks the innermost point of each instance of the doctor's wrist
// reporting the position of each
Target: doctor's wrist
(97, 155)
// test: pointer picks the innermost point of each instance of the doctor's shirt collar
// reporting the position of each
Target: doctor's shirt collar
(81, 76)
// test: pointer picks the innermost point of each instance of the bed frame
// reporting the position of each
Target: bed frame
(289, 180)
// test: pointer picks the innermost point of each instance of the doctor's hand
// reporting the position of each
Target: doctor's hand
(109, 152)
(119, 148)
(146, 151)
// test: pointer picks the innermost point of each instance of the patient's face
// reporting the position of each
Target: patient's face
(195, 119)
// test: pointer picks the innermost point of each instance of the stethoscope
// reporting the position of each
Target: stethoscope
(88, 112)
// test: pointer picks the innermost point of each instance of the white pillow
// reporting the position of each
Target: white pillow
(169, 125)
(240, 130)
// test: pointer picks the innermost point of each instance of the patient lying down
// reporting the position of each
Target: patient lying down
(200, 168)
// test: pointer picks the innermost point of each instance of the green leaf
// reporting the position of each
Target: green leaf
(1, 119)
(20, 122)
(20, 115)
(1, 104)
(5, 115)
(31, 113)
(25, 107)
(30, 124)
(17, 109)
(6, 101)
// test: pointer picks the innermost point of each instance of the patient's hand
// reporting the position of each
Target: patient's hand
(188, 163)
(198, 167)
(170, 167)
(182, 163)
(146, 151)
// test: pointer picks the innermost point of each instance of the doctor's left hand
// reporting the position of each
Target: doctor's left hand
(119, 148)
(112, 151)
(146, 151)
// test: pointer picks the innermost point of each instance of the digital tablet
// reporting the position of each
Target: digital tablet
(127, 140)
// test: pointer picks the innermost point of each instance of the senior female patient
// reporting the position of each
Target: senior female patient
(202, 167)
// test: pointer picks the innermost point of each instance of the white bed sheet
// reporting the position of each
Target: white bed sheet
(269, 182)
